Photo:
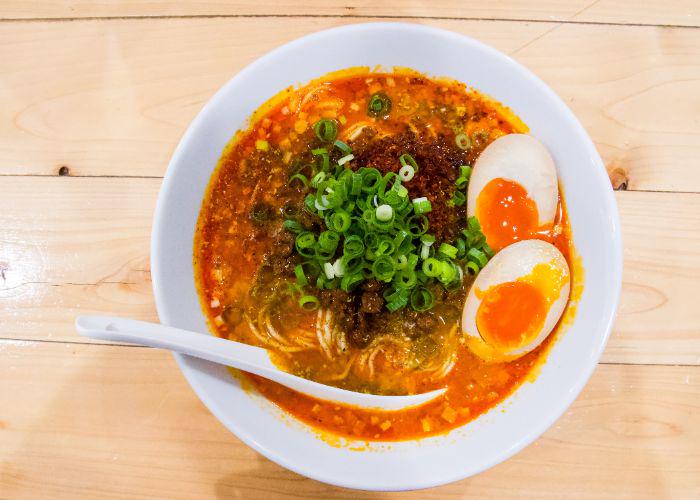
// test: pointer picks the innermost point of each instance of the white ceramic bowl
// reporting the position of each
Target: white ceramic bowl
(493, 436)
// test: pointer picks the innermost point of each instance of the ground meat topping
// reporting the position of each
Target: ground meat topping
(438, 160)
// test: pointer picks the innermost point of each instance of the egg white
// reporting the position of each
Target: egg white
(513, 262)
(523, 159)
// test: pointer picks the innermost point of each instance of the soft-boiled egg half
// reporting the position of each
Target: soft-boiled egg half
(516, 300)
(513, 190)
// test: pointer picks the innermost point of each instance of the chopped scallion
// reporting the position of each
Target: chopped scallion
(342, 146)
(309, 302)
(463, 141)
(379, 105)
(384, 213)
(345, 159)
(422, 205)
(326, 130)
(406, 173)
(329, 270)
(448, 250)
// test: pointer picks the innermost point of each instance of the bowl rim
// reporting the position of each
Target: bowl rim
(412, 484)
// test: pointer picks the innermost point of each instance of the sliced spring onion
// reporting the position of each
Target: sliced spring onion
(370, 179)
(384, 268)
(448, 272)
(356, 184)
(329, 270)
(342, 146)
(465, 173)
(317, 179)
(422, 299)
(461, 247)
(325, 159)
(373, 230)
(350, 281)
(432, 267)
(418, 225)
(384, 247)
(425, 251)
(310, 202)
(463, 141)
(300, 178)
(476, 255)
(472, 268)
(305, 243)
(328, 241)
(326, 130)
(427, 239)
(345, 159)
(405, 279)
(407, 160)
(352, 265)
(293, 226)
(398, 303)
(339, 222)
(319, 206)
(379, 105)
(400, 190)
(406, 173)
(458, 199)
(339, 268)
(401, 262)
(301, 277)
(422, 205)
(448, 250)
(400, 238)
(384, 213)
(353, 246)
(309, 303)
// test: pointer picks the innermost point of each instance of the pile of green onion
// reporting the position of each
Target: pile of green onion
(374, 231)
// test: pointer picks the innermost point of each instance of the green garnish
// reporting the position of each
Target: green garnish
(326, 130)
(422, 205)
(406, 173)
(458, 199)
(379, 105)
(309, 302)
(374, 231)
(463, 141)
(342, 146)
(407, 160)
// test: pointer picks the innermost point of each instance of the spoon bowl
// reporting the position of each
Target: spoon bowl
(237, 355)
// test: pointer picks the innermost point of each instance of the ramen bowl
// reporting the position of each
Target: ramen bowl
(494, 435)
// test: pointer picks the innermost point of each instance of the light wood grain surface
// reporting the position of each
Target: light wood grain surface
(105, 89)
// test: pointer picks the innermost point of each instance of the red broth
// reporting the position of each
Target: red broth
(244, 258)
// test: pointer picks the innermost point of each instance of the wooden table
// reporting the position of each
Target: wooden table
(94, 96)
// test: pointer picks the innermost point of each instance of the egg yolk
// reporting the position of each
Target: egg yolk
(511, 314)
(506, 213)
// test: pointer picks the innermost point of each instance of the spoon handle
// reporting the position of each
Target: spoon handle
(236, 354)
(226, 352)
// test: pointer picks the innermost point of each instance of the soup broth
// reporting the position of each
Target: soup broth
(247, 259)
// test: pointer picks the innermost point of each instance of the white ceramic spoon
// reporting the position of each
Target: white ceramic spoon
(236, 354)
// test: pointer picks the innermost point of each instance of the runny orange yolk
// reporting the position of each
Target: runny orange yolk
(511, 314)
(506, 213)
